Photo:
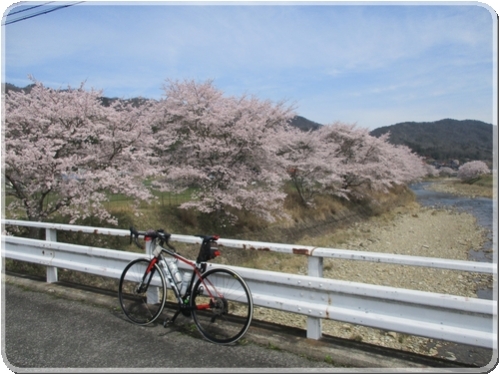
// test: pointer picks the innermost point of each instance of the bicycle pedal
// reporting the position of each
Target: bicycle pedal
(167, 323)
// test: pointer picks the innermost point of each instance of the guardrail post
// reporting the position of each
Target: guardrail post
(51, 235)
(153, 293)
(315, 268)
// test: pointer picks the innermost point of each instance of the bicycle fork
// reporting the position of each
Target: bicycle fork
(144, 285)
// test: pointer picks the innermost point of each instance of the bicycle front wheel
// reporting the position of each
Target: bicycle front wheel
(222, 306)
(142, 294)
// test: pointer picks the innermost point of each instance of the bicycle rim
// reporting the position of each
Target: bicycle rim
(144, 306)
(222, 306)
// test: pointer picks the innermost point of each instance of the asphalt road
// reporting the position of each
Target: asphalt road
(43, 331)
(61, 327)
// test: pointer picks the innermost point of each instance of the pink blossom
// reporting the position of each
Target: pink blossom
(472, 170)
(64, 150)
(223, 146)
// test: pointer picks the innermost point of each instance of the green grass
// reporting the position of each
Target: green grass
(329, 360)
(164, 213)
(120, 202)
(481, 186)
(485, 181)
(164, 199)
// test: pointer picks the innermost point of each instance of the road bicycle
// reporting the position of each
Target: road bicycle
(218, 299)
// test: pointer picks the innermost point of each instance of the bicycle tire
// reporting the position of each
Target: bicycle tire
(135, 305)
(230, 313)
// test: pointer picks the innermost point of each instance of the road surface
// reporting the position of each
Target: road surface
(43, 331)
(66, 327)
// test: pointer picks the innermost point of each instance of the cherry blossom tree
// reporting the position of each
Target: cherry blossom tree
(370, 163)
(432, 171)
(346, 161)
(312, 164)
(64, 152)
(404, 165)
(223, 146)
(472, 170)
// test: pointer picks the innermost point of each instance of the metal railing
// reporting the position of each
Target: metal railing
(458, 319)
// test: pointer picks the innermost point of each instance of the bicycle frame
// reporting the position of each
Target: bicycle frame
(198, 270)
(206, 299)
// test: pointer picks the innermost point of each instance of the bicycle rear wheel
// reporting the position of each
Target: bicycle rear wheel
(142, 295)
(222, 306)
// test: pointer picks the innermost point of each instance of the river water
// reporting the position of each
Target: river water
(481, 208)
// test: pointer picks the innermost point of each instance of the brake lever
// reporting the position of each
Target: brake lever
(134, 236)
(132, 230)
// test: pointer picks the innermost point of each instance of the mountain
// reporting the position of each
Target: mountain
(6, 87)
(444, 139)
(304, 124)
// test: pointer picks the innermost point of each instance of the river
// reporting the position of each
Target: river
(481, 208)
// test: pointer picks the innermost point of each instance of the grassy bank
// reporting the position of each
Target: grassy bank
(328, 216)
(484, 186)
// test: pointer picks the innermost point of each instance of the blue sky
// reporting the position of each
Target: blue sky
(372, 64)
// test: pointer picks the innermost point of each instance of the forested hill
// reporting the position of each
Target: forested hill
(445, 139)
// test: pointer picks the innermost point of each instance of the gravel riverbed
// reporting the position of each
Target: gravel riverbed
(410, 230)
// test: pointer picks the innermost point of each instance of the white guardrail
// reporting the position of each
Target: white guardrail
(458, 319)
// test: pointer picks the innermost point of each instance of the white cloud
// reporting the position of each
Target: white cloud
(338, 62)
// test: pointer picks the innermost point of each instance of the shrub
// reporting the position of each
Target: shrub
(472, 170)
(431, 170)
(447, 172)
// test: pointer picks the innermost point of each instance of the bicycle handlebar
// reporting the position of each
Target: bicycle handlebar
(206, 253)
(150, 234)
